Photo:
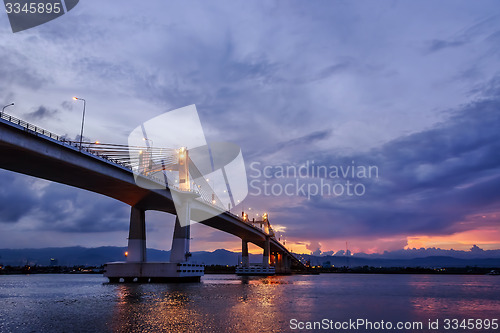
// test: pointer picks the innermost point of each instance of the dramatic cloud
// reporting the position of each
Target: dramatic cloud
(38, 205)
(41, 113)
(431, 182)
(315, 248)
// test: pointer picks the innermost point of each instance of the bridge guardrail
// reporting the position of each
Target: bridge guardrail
(29, 126)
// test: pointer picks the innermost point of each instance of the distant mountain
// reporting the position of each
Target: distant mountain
(71, 256)
(430, 262)
(473, 253)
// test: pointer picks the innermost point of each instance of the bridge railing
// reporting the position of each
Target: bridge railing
(29, 127)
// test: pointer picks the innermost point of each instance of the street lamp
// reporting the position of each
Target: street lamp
(83, 119)
(7, 106)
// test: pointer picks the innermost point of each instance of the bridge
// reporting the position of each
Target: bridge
(104, 169)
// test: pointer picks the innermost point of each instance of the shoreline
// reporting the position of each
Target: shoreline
(219, 270)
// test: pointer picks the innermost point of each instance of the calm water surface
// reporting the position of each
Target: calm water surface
(227, 303)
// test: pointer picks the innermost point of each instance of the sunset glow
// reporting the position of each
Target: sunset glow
(487, 239)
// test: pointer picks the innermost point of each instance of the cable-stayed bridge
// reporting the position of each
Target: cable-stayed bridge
(167, 174)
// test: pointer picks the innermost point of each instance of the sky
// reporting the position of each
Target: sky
(411, 89)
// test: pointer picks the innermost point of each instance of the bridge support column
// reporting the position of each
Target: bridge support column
(182, 231)
(245, 259)
(278, 262)
(180, 243)
(267, 248)
(137, 236)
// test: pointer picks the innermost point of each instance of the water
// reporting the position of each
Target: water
(227, 303)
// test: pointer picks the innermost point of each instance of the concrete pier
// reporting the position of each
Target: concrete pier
(137, 269)
(245, 259)
(153, 272)
(265, 256)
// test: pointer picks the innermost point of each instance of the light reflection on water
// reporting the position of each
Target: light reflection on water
(228, 303)
(237, 304)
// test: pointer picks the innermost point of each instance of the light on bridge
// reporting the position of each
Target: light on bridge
(83, 118)
(126, 253)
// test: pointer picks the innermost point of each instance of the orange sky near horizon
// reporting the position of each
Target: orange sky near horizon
(487, 239)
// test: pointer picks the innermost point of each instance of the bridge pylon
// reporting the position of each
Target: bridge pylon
(245, 259)
(182, 230)
(137, 236)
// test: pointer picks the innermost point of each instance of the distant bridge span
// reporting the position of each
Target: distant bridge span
(30, 150)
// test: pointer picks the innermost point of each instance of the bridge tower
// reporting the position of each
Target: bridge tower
(275, 261)
(265, 268)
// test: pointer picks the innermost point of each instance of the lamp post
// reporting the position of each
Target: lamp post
(83, 119)
(7, 106)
